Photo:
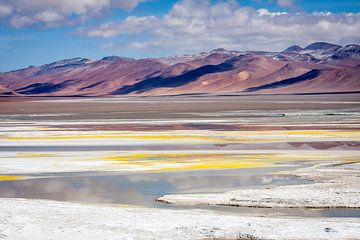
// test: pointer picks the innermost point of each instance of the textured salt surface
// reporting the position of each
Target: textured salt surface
(40, 219)
(336, 186)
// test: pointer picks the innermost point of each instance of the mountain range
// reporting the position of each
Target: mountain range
(317, 68)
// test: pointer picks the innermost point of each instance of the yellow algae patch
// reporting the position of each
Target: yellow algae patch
(149, 156)
(237, 156)
(217, 165)
(10, 177)
(184, 161)
(194, 161)
(35, 155)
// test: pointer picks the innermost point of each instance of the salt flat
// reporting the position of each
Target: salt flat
(246, 151)
(332, 186)
(40, 219)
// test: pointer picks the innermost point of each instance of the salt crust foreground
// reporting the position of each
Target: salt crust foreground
(335, 185)
(43, 219)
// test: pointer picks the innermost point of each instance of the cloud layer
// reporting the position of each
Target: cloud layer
(190, 25)
(199, 25)
(49, 13)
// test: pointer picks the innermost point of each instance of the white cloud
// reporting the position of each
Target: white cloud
(131, 25)
(50, 13)
(265, 12)
(49, 16)
(5, 10)
(21, 21)
(199, 25)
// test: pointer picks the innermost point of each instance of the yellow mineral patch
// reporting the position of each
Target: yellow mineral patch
(10, 177)
(148, 156)
(35, 155)
(197, 161)
(217, 165)
(184, 161)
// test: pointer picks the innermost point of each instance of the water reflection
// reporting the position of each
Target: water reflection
(138, 189)
(142, 189)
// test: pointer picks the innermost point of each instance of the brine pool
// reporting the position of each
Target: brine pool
(142, 189)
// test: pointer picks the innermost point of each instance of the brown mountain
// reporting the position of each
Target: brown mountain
(317, 68)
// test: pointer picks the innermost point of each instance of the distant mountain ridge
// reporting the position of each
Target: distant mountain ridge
(319, 67)
(322, 46)
(293, 48)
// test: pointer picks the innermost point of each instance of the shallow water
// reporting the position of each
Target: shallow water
(143, 189)
(140, 188)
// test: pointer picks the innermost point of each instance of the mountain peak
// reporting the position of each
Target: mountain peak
(349, 51)
(352, 47)
(293, 48)
(115, 58)
(68, 62)
(321, 46)
(110, 58)
(219, 50)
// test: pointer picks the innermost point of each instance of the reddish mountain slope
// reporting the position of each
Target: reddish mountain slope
(319, 67)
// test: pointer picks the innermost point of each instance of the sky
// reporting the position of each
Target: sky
(37, 32)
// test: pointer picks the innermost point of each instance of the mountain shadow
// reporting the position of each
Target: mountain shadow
(91, 85)
(176, 81)
(47, 87)
(283, 83)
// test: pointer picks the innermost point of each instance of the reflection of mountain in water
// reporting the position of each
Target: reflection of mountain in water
(137, 189)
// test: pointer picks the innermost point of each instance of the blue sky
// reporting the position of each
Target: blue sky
(41, 31)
